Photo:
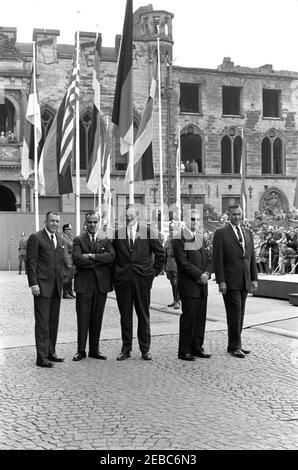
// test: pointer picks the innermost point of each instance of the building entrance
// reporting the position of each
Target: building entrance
(7, 199)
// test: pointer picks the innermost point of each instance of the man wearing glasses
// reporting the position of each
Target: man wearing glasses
(93, 258)
(193, 274)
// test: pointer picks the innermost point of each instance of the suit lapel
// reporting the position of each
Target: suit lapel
(88, 242)
(234, 236)
(47, 238)
(246, 239)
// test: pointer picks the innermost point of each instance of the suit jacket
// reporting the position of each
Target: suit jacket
(44, 264)
(231, 265)
(90, 271)
(192, 262)
(146, 259)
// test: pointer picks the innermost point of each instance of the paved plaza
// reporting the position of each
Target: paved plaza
(223, 403)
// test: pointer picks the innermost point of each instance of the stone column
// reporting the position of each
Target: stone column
(23, 196)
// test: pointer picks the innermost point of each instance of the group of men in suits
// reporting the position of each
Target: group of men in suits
(129, 263)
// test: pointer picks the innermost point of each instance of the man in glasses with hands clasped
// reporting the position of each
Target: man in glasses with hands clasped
(193, 274)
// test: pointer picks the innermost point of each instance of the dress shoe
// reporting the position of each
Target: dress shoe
(54, 358)
(238, 353)
(44, 363)
(123, 355)
(72, 294)
(202, 354)
(246, 351)
(97, 356)
(186, 357)
(177, 305)
(146, 356)
(67, 296)
(79, 356)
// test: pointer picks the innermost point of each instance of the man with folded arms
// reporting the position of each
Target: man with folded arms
(93, 257)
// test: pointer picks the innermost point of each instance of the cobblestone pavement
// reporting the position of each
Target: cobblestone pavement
(218, 404)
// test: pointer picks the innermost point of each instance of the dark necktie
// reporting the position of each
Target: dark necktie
(239, 234)
(130, 238)
(52, 240)
(93, 243)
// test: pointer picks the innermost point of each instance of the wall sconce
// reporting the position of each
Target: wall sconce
(250, 189)
(190, 188)
(230, 187)
(266, 187)
(154, 190)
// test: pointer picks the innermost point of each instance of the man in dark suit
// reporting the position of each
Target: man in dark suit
(93, 257)
(44, 267)
(236, 274)
(139, 257)
(193, 274)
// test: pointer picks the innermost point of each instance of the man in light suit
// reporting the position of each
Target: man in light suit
(193, 274)
(93, 257)
(139, 257)
(236, 274)
(44, 268)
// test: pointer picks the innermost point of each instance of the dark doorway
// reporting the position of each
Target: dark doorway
(7, 199)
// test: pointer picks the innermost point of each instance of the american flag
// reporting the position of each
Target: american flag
(68, 125)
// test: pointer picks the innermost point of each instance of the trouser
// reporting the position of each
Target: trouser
(46, 312)
(135, 293)
(90, 308)
(192, 324)
(234, 301)
(22, 259)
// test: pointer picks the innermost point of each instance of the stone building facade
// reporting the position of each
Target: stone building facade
(219, 115)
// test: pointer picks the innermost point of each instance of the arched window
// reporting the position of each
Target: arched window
(272, 154)
(231, 152)
(191, 150)
(7, 117)
(226, 152)
(121, 161)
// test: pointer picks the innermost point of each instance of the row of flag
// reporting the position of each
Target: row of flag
(57, 154)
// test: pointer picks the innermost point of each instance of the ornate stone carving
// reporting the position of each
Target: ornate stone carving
(9, 155)
(7, 45)
(274, 204)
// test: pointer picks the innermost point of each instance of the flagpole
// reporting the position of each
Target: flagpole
(99, 153)
(131, 175)
(77, 127)
(178, 176)
(160, 140)
(243, 164)
(109, 176)
(36, 201)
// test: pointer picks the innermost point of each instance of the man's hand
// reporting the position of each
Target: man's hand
(88, 256)
(35, 290)
(204, 278)
(254, 286)
(222, 288)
